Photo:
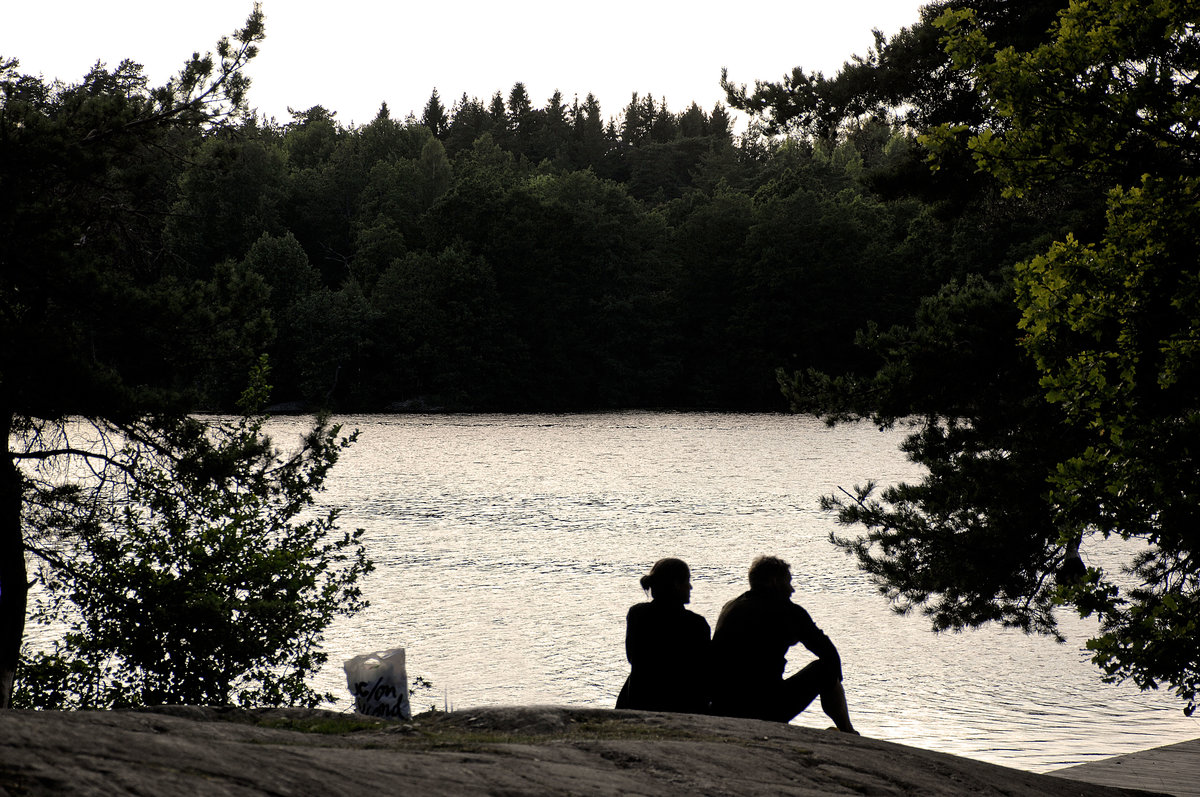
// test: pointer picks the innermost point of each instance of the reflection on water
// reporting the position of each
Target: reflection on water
(508, 549)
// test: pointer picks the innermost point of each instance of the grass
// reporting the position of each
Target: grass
(324, 724)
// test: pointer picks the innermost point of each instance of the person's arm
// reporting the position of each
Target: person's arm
(705, 670)
(816, 641)
(635, 636)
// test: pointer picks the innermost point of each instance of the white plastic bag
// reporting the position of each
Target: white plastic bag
(379, 684)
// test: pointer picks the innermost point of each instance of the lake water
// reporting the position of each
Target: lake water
(508, 549)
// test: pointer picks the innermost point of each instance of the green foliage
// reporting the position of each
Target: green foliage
(207, 577)
(1109, 94)
(441, 315)
(1112, 326)
(95, 319)
(228, 197)
(334, 347)
(1064, 114)
(434, 116)
(230, 323)
(284, 266)
(277, 238)
(908, 76)
(1111, 323)
(974, 541)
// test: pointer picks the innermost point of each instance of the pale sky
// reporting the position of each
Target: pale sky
(352, 55)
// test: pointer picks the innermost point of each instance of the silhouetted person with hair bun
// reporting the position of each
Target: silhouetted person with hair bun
(667, 646)
(754, 632)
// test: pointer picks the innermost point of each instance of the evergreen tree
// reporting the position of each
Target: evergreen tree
(909, 73)
(590, 143)
(502, 130)
(519, 106)
(82, 279)
(434, 116)
(553, 136)
(692, 123)
(1111, 323)
(522, 120)
(1022, 492)
(197, 579)
(635, 125)
(720, 126)
(665, 127)
(312, 137)
(469, 121)
(380, 139)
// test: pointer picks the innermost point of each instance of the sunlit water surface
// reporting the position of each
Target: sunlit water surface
(508, 549)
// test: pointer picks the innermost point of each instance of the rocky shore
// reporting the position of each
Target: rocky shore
(489, 751)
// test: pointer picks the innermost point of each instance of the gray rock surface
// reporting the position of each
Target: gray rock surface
(488, 751)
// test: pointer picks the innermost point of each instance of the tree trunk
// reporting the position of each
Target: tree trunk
(14, 585)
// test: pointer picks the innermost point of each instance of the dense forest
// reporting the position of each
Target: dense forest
(522, 258)
(511, 256)
(508, 256)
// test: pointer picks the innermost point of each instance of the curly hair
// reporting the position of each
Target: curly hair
(767, 570)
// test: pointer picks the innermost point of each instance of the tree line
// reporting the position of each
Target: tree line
(512, 257)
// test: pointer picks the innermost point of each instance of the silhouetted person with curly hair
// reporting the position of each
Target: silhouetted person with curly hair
(667, 646)
(750, 644)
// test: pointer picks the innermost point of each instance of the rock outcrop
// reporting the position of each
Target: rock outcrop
(488, 751)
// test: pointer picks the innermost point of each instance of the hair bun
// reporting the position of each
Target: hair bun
(665, 571)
